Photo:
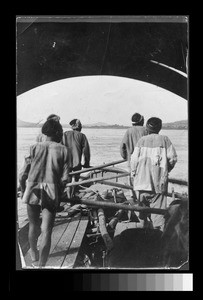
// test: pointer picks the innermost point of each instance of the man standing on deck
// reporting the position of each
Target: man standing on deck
(42, 138)
(130, 139)
(78, 145)
(42, 181)
(153, 158)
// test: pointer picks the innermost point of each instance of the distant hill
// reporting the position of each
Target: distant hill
(99, 124)
(104, 125)
(176, 125)
(21, 123)
(183, 124)
(27, 124)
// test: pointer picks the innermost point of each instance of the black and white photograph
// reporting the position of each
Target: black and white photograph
(102, 142)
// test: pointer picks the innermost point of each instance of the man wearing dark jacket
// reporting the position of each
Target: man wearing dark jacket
(132, 135)
(78, 145)
(130, 139)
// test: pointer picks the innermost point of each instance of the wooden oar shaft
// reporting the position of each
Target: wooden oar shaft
(116, 184)
(102, 226)
(118, 206)
(128, 187)
(109, 170)
(171, 180)
(103, 166)
(121, 171)
(98, 167)
(178, 181)
(95, 180)
(112, 170)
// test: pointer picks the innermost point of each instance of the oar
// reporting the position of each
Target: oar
(75, 183)
(118, 206)
(98, 167)
(116, 184)
(178, 181)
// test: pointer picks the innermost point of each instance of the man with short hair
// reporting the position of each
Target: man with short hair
(43, 180)
(130, 139)
(153, 158)
(132, 135)
(41, 137)
(78, 145)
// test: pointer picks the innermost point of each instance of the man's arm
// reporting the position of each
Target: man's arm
(171, 155)
(66, 178)
(134, 159)
(67, 165)
(86, 152)
(23, 174)
(123, 148)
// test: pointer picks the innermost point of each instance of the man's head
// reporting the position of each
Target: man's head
(154, 125)
(53, 129)
(53, 117)
(76, 124)
(137, 120)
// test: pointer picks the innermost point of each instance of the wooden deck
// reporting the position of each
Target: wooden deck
(67, 236)
(69, 229)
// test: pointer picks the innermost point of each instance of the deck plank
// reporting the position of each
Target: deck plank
(60, 226)
(22, 236)
(76, 243)
(58, 253)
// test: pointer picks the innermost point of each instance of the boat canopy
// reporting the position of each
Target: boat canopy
(148, 50)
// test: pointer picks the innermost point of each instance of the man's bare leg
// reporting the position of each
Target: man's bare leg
(34, 230)
(46, 229)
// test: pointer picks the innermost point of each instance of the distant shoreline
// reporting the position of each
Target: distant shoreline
(182, 125)
(109, 127)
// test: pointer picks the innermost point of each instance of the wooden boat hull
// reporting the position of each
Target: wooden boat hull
(72, 230)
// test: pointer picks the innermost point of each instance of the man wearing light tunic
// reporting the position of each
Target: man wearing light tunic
(154, 156)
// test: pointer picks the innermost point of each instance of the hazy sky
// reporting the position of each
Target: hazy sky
(107, 99)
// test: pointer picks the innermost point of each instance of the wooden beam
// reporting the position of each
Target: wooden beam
(178, 181)
(116, 218)
(112, 170)
(98, 167)
(119, 185)
(128, 187)
(102, 226)
(114, 184)
(95, 180)
(118, 206)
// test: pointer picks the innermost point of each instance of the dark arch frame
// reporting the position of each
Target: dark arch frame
(50, 51)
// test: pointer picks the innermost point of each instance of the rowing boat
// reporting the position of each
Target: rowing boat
(98, 227)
